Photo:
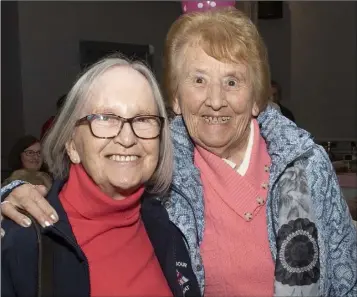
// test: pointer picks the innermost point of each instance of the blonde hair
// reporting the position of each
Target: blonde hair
(54, 150)
(227, 35)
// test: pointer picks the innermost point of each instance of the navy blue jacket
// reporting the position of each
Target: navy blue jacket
(19, 250)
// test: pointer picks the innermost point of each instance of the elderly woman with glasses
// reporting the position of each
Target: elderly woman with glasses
(110, 152)
(256, 199)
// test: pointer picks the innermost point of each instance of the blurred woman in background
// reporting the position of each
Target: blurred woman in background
(26, 163)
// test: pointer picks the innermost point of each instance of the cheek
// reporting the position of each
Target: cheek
(191, 99)
(152, 151)
(93, 162)
(90, 151)
(25, 160)
(240, 102)
(191, 103)
(93, 158)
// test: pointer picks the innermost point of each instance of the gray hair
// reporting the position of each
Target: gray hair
(54, 146)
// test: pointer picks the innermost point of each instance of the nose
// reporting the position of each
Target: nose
(36, 156)
(126, 136)
(216, 97)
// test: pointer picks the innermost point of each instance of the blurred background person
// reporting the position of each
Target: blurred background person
(276, 98)
(26, 154)
(26, 162)
(48, 124)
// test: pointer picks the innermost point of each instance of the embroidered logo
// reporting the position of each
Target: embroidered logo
(181, 278)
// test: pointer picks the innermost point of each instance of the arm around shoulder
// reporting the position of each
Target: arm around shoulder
(5, 191)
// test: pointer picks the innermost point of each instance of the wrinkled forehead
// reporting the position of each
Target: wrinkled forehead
(197, 59)
(120, 88)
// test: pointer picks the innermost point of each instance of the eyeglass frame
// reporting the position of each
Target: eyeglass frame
(32, 153)
(89, 118)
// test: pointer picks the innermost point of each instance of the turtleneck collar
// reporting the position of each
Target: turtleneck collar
(87, 201)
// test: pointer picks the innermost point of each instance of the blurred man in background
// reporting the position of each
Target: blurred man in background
(48, 124)
(276, 98)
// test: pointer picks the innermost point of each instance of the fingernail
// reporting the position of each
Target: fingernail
(2, 233)
(46, 224)
(53, 217)
(26, 222)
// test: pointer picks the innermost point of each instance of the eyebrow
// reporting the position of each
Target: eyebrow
(228, 73)
(200, 70)
(145, 112)
(235, 73)
(110, 111)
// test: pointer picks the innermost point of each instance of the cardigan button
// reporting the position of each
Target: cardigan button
(264, 186)
(266, 168)
(199, 267)
(260, 201)
(248, 216)
(167, 204)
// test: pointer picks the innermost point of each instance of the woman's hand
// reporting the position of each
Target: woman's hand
(30, 198)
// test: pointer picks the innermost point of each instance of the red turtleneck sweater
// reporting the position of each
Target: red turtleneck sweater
(112, 235)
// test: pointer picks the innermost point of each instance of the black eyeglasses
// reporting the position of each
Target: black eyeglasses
(110, 125)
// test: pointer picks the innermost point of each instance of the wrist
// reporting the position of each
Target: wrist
(5, 191)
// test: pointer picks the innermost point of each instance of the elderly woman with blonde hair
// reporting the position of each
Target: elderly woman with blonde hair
(110, 152)
(256, 199)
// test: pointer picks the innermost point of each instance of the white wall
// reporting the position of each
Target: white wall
(49, 39)
(313, 54)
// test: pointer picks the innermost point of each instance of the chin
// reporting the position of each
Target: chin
(214, 142)
(33, 168)
(127, 186)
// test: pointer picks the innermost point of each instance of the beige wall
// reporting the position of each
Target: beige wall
(313, 55)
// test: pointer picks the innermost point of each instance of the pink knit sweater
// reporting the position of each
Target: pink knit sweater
(235, 246)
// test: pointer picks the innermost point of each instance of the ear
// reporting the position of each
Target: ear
(176, 106)
(72, 152)
(255, 110)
